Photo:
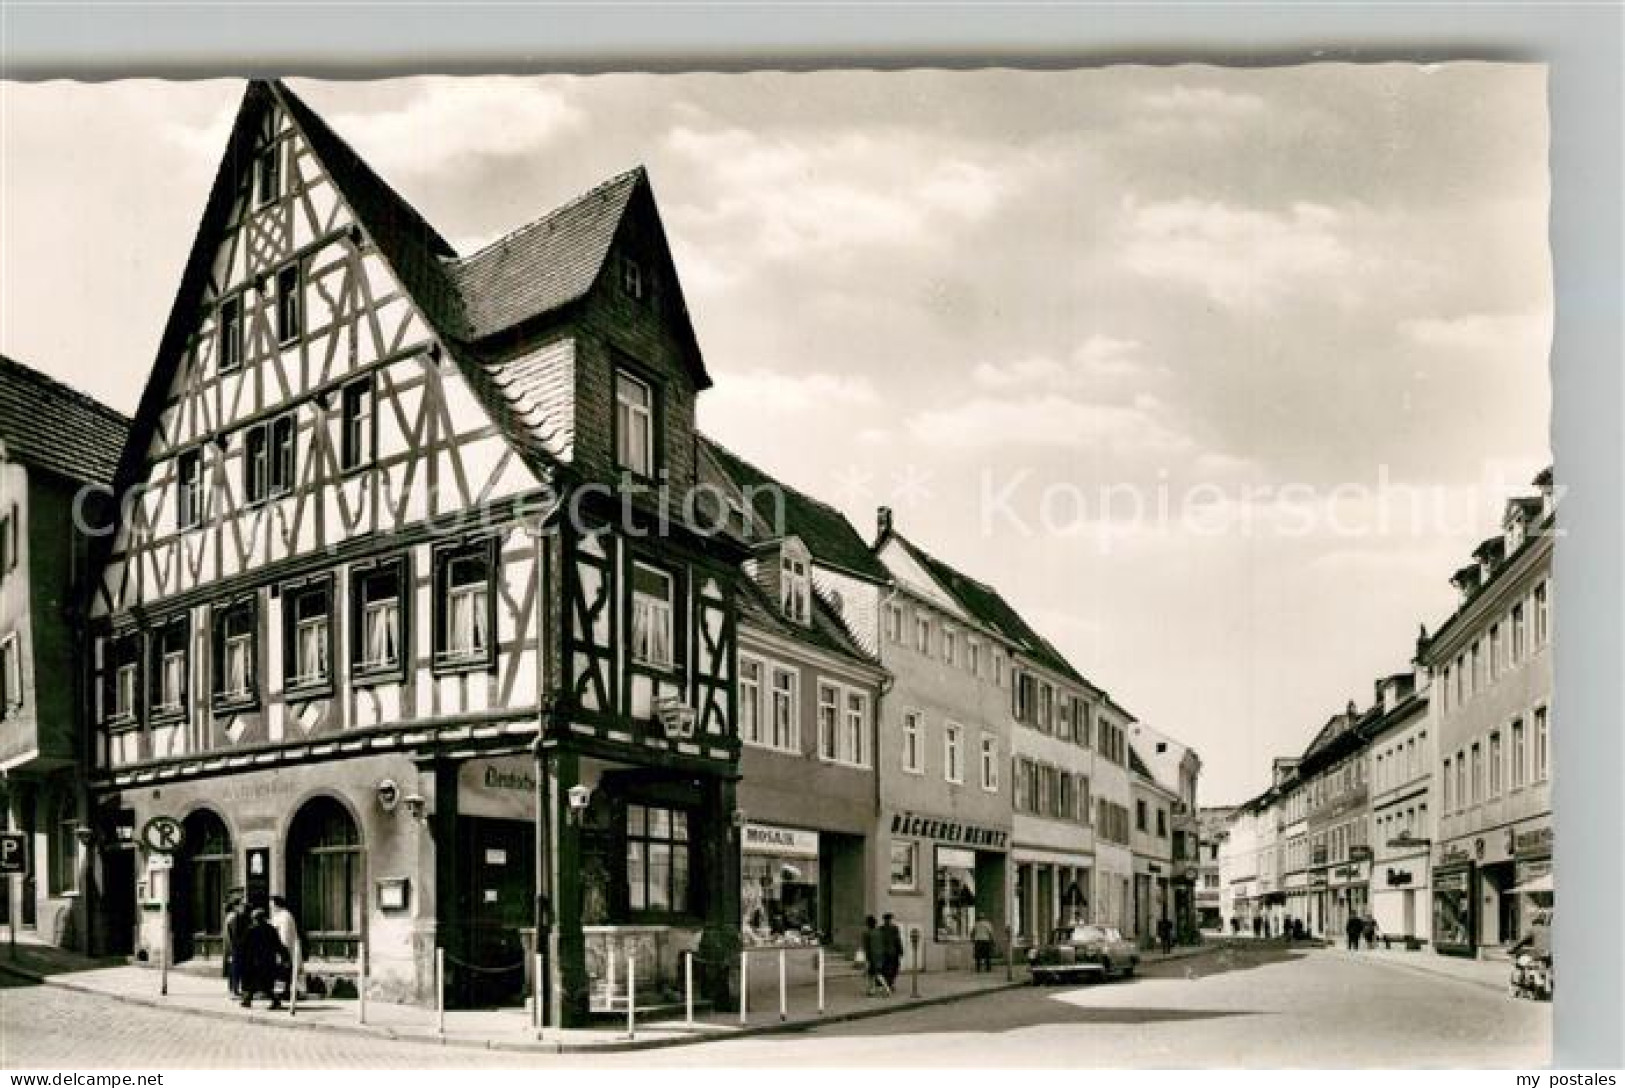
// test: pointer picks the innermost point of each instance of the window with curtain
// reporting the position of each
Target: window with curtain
(750, 700)
(829, 719)
(634, 424)
(463, 599)
(234, 653)
(307, 647)
(378, 600)
(653, 612)
(169, 674)
(786, 734)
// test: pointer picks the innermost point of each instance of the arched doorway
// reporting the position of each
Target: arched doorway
(324, 879)
(200, 881)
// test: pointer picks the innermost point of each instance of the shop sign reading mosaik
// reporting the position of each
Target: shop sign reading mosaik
(950, 831)
(781, 842)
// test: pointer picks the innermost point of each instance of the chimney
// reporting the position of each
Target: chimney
(882, 521)
(1547, 490)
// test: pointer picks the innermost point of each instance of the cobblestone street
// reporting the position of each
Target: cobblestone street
(1258, 1007)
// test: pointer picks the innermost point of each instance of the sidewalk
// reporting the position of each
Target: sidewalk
(1491, 974)
(495, 1029)
(511, 1029)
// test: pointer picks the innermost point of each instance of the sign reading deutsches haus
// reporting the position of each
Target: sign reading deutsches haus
(929, 827)
(502, 788)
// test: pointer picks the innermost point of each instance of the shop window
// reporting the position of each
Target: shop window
(235, 627)
(653, 609)
(913, 742)
(307, 644)
(657, 859)
(324, 870)
(955, 893)
(465, 605)
(779, 886)
(378, 621)
(905, 865)
(170, 669)
(750, 700)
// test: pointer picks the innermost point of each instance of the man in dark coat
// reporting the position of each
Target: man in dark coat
(1354, 929)
(874, 956)
(261, 954)
(1165, 934)
(232, 931)
(892, 939)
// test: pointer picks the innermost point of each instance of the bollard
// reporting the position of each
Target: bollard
(163, 955)
(609, 992)
(1009, 953)
(744, 985)
(914, 975)
(440, 990)
(293, 983)
(539, 1015)
(361, 988)
(631, 996)
(688, 987)
(820, 980)
(783, 1003)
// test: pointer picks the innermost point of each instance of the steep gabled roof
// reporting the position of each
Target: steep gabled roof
(46, 425)
(826, 631)
(1137, 765)
(987, 607)
(543, 266)
(829, 537)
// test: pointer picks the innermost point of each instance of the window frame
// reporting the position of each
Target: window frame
(189, 493)
(914, 741)
(989, 755)
(754, 700)
(290, 307)
(358, 446)
(239, 610)
(791, 742)
(953, 753)
(446, 558)
(626, 372)
(174, 627)
(229, 320)
(11, 673)
(674, 843)
(362, 671)
(268, 168)
(295, 684)
(672, 606)
(911, 850)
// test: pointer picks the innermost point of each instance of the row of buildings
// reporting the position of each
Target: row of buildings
(412, 593)
(1430, 809)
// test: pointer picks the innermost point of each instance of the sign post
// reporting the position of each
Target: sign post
(163, 836)
(14, 865)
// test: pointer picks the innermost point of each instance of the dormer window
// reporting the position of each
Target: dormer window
(795, 587)
(634, 425)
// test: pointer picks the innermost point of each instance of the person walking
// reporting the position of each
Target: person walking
(874, 959)
(231, 933)
(1258, 926)
(261, 955)
(981, 936)
(892, 961)
(1370, 927)
(1165, 934)
(1354, 928)
(287, 931)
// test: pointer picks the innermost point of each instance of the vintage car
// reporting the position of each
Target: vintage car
(1082, 951)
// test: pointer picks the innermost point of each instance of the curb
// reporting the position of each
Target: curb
(534, 1046)
(289, 1023)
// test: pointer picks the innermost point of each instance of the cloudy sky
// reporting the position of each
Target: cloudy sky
(1017, 307)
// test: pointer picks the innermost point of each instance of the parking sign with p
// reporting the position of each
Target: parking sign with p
(13, 853)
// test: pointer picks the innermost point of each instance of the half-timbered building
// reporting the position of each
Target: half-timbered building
(412, 617)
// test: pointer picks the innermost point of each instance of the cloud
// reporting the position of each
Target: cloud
(1052, 420)
(822, 195)
(1519, 332)
(1240, 257)
(451, 121)
(1098, 357)
(766, 391)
